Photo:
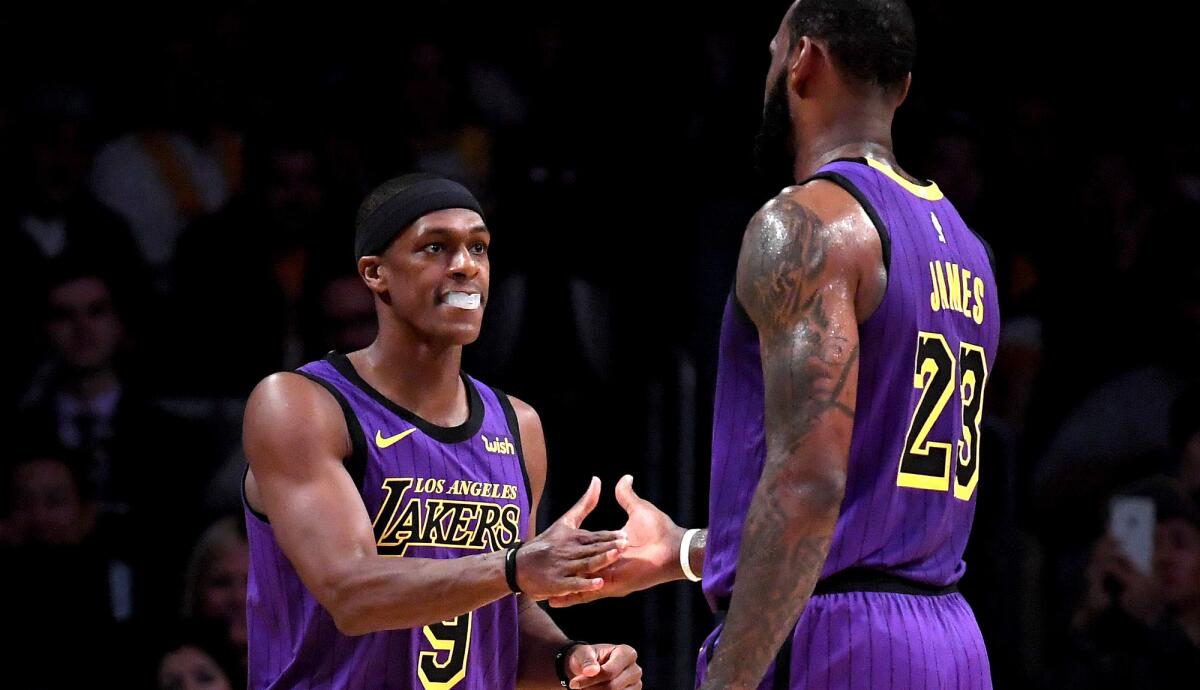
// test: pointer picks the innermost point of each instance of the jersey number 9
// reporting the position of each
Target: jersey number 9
(452, 639)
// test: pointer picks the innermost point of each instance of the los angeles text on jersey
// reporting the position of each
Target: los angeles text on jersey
(956, 290)
(407, 518)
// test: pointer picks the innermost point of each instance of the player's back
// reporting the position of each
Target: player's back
(432, 492)
(924, 358)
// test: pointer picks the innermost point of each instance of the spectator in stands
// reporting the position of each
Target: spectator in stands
(172, 165)
(49, 214)
(192, 659)
(248, 271)
(61, 579)
(214, 591)
(1185, 440)
(86, 400)
(1137, 629)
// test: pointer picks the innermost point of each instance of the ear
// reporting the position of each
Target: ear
(373, 273)
(904, 89)
(802, 61)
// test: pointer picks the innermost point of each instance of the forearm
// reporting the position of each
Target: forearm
(381, 593)
(540, 640)
(784, 545)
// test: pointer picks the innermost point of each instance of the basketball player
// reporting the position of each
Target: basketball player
(853, 360)
(388, 493)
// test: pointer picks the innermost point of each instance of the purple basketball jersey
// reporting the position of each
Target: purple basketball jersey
(914, 466)
(432, 492)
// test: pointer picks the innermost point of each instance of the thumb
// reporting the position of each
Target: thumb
(625, 493)
(586, 503)
(583, 662)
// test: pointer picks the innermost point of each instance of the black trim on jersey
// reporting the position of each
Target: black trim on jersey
(986, 247)
(869, 580)
(246, 500)
(885, 237)
(356, 464)
(442, 434)
(739, 310)
(514, 427)
(783, 665)
(865, 580)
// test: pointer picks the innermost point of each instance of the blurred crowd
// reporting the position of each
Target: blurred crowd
(177, 223)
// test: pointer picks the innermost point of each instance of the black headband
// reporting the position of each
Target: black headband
(403, 209)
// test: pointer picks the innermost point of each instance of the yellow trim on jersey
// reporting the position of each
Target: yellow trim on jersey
(972, 435)
(929, 192)
(926, 372)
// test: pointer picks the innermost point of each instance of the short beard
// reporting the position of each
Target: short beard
(774, 155)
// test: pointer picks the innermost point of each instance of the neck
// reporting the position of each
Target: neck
(860, 130)
(416, 374)
(90, 385)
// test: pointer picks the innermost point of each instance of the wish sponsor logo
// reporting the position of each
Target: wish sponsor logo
(500, 446)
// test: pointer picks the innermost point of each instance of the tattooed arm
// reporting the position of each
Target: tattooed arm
(797, 279)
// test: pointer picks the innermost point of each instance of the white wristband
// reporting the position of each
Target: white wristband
(684, 562)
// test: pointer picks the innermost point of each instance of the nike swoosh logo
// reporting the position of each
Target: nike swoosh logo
(385, 442)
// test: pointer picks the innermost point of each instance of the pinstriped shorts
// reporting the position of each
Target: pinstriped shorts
(877, 641)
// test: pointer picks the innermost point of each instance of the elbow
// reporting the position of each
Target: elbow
(350, 625)
(342, 598)
(818, 495)
(825, 492)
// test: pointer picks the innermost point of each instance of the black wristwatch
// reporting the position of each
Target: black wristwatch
(560, 661)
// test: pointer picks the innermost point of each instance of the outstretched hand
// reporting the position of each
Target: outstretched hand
(651, 557)
(565, 559)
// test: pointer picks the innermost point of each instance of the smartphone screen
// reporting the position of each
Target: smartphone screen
(1131, 522)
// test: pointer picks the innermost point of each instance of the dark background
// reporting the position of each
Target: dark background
(611, 145)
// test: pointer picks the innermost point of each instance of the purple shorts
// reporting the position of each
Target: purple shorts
(877, 641)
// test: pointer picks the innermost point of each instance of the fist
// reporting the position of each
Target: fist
(604, 667)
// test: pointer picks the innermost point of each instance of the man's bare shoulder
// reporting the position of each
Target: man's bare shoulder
(806, 237)
(290, 415)
(837, 209)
